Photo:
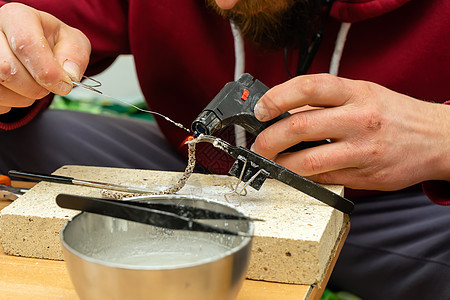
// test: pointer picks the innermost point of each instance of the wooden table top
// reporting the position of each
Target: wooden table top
(30, 278)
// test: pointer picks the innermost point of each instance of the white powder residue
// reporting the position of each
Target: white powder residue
(13, 43)
(13, 68)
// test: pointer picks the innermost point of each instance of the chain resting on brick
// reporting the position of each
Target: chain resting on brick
(181, 182)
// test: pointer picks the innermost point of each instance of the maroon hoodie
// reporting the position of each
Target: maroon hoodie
(184, 52)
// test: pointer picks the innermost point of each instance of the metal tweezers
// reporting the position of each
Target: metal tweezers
(11, 193)
(91, 87)
(167, 215)
(254, 169)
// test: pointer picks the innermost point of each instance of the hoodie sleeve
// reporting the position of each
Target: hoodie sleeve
(438, 191)
(106, 26)
(18, 117)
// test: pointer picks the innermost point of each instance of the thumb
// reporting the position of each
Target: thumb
(72, 52)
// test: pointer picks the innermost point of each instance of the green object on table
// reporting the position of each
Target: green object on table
(329, 295)
(341, 295)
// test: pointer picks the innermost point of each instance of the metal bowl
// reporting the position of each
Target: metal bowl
(111, 258)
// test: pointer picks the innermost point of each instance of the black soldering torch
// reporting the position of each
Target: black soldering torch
(234, 104)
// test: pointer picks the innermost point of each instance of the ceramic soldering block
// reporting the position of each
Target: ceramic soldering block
(294, 244)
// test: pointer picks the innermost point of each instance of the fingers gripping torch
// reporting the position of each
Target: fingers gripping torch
(235, 104)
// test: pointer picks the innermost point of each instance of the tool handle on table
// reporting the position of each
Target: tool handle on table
(43, 177)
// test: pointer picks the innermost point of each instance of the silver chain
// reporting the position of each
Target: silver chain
(181, 182)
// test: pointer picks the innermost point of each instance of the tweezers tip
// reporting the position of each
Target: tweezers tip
(243, 234)
(257, 220)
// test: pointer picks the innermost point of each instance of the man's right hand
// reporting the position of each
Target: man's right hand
(39, 54)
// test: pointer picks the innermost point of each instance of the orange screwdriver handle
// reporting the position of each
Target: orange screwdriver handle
(5, 180)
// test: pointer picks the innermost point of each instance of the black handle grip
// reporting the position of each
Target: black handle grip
(38, 176)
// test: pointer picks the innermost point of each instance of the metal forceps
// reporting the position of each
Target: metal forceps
(253, 169)
(11, 193)
(91, 87)
(166, 215)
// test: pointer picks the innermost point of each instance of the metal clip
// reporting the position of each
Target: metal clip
(91, 87)
(249, 172)
(243, 191)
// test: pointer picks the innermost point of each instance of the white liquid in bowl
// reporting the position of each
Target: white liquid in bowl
(171, 257)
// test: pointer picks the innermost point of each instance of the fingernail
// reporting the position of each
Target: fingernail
(252, 147)
(62, 88)
(72, 70)
(260, 111)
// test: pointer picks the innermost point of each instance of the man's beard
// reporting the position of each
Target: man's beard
(274, 24)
